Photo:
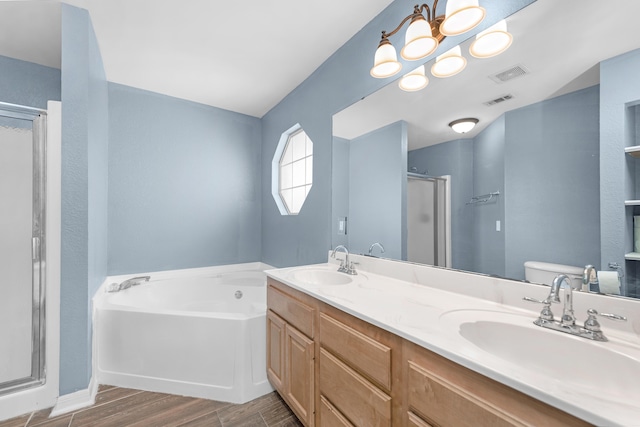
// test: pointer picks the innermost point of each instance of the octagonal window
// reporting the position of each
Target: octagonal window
(294, 170)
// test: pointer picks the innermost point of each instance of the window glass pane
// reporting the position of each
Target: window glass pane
(298, 143)
(309, 170)
(299, 173)
(286, 177)
(287, 198)
(287, 156)
(299, 194)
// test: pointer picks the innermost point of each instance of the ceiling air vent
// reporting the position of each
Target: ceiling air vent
(510, 74)
(498, 100)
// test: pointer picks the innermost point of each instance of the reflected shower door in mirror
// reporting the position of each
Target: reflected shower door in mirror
(525, 182)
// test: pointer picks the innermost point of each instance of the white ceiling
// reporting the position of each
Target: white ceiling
(243, 56)
(559, 42)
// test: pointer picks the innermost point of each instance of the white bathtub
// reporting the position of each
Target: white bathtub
(201, 335)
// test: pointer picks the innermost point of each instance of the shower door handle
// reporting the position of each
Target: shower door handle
(35, 248)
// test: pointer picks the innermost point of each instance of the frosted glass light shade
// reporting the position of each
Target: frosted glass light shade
(492, 41)
(463, 125)
(419, 41)
(385, 62)
(461, 16)
(414, 81)
(449, 63)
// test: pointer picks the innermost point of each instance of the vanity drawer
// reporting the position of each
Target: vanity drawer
(360, 352)
(416, 421)
(330, 416)
(445, 404)
(444, 393)
(360, 401)
(295, 312)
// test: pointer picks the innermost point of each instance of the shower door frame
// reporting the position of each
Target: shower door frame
(38, 246)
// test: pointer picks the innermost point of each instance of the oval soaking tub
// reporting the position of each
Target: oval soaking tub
(201, 336)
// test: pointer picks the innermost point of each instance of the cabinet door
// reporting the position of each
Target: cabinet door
(275, 350)
(299, 376)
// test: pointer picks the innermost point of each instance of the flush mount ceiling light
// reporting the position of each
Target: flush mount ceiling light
(424, 34)
(492, 41)
(415, 80)
(463, 125)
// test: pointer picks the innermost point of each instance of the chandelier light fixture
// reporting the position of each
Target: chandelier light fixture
(449, 63)
(492, 41)
(415, 80)
(424, 34)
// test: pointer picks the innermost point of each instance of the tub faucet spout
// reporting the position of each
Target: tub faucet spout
(116, 287)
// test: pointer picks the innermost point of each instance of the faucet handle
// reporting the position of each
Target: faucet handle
(592, 326)
(352, 269)
(545, 314)
(593, 313)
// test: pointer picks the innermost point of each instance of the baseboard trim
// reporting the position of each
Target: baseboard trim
(76, 400)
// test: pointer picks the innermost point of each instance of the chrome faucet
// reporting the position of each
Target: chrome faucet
(562, 280)
(590, 279)
(378, 244)
(345, 265)
(116, 287)
(567, 324)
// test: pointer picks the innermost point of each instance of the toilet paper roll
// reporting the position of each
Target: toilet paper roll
(609, 282)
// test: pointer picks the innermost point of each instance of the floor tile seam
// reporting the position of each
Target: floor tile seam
(131, 410)
(97, 405)
(201, 416)
(182, 406)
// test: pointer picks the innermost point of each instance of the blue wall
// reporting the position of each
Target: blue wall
(184, 184)
(29, 84)
(377, 191)
(340, 81)
(84, 195)
(340, 190)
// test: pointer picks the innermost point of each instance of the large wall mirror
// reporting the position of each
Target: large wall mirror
(523, 185)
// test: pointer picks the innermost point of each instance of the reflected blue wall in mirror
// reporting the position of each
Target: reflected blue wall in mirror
(29, 84)
(619, 96)
(377, 180)
(544, 160)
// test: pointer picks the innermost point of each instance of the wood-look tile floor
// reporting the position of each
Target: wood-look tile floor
(124, 407)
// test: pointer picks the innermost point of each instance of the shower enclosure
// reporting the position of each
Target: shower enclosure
(428, 219)
(22, 247)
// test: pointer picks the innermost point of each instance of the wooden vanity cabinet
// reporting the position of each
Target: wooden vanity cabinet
(356, 370)
(336, 370)
(442, 393)
(291, 351)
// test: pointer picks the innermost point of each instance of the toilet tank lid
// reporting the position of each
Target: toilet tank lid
(559, 268)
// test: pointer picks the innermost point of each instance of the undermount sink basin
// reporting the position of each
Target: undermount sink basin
(320, 277)
(579, 363)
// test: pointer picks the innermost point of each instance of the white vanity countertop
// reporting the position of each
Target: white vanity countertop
(431, 318)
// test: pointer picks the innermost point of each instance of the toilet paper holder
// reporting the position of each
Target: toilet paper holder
(618, 268)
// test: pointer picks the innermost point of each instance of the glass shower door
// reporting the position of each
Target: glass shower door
(22, 146)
